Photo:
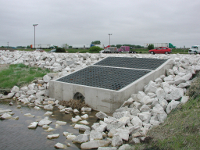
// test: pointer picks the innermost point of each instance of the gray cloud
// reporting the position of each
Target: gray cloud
(83, 21)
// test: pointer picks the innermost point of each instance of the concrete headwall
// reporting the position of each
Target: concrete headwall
(104, 99)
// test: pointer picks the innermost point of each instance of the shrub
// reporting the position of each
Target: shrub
(151, 46)
(60, 50)
(94, 49)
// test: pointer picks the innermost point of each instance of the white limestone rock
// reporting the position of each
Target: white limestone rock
(163, 103)
(151, 87)
(128, 102)
(136, 121)
(60, 146)
(61, 123)
(95, 135)
(81, 127)
(37, 108)
(44, 121)
(6, 116)
(101, 115)
(71, 137)
(15, 89)
(33, 125)
(169, 78)
(82, 138)
(107, 148)
(69, 109)
(45, 126)
(116, 141)
(48, 113)
(123, 133)
(84, 122)
(46, 78)
(172, 105)
(134, 111)
(29, 115)
(145, 116)
(160, 93)
(176, 94)
(76, 111)
(85, 116)
(126, 147)
(52, 136)
(135, 140)
(4, 111)
(184, 99)
(144, 108)
(48, 107)
(124, 120)
(94, 144)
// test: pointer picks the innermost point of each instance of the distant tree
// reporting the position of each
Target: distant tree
(60, 50)
(94, 49)
(28, 46)
(150, 46)
(118, 45)
(70, 46)
(96, 42)
(112, 46)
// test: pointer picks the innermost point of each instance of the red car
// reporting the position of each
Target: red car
(161, 50)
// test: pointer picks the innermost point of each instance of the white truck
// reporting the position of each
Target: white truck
(156, 45)
(195, 49)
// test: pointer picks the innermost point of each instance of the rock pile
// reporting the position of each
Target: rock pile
(129, 123)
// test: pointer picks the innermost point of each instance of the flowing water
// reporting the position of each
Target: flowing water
(15, 135)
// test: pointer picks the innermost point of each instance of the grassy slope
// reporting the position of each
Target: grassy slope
(19, 75)
(181, 130)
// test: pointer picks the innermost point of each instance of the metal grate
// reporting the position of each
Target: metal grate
(104, 77)
(128, 62)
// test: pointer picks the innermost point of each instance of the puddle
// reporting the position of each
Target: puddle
(14, 134)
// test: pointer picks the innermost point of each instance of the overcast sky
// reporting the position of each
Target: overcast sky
(83, 21)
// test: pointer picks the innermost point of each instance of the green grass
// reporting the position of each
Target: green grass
(181, 130)
(19, 75)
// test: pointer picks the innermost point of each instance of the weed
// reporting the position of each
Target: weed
(19, 75)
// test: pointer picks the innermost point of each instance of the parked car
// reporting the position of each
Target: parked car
(161, 50)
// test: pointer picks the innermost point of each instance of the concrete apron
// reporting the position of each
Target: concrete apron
(101, 99)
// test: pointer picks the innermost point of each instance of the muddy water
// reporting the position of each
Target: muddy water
(14, 134)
